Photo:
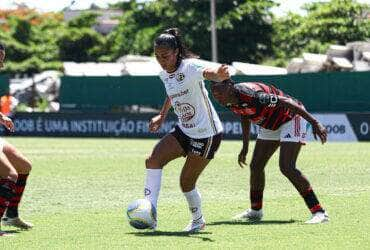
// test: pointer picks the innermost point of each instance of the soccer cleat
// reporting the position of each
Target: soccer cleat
(5, 234)
(195, 225)
(318, 217)
(16, 222)
(250, 214)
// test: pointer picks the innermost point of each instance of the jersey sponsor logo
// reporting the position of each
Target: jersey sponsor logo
(183, 92)
(180, 77)
(185, 111)
(196, 144)
(268, 99)
(196, 152)
(273, 100)
(171, 75)
(188, 125)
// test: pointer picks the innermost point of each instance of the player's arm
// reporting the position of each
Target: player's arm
(246, 126)
(156, 122)
(7, 122)
(165, 107)
(217, 74)
(317, 128)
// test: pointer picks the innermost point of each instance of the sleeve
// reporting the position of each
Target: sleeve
(196, 71)
(161, 76)
(265, 99)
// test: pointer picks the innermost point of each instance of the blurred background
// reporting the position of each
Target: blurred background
(86, 68)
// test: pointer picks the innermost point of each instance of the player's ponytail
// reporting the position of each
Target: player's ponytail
(171, 38)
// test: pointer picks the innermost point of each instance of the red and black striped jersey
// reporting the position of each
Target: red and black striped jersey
(258, 101)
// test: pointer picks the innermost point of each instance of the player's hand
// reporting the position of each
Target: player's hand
(7, 122)
(319, 130)
(156, 122)
(242, 157)
(223, 72)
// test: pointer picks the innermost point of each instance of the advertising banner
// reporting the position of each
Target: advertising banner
(340, 127)
(337, 126)
(361, 125)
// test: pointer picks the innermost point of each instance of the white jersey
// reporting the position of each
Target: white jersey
(190, 101)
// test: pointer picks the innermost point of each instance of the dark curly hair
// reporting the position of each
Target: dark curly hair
(171, 38)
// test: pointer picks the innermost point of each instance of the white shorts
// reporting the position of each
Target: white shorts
(293, 131)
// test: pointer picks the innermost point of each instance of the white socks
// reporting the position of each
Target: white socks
(195, 203)
(152, 185)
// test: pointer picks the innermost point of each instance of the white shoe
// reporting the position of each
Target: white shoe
(195, 225)
(16, 222)
(318, 217)
(250, 214)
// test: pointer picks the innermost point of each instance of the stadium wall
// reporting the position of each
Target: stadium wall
(4, 84)
(320, 92)
(340, 126)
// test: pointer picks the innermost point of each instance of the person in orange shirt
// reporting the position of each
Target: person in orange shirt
(7, 103)
(14, 171)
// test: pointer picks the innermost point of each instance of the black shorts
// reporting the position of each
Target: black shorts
(204, 147)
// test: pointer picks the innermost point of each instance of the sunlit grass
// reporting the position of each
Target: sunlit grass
(79, 189)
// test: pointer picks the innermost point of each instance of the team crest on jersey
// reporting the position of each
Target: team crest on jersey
(185, 110)
(180, 77)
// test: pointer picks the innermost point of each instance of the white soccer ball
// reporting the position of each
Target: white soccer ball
(141, 214)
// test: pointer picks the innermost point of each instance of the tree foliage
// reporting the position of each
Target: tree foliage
(244, 27)
(247, 31)
(334, 22)
(80, 45)
(30, 39)
(85, 20)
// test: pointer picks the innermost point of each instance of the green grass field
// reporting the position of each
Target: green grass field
(79, 189)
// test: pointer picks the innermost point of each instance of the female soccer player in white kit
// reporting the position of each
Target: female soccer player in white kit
(198, 133)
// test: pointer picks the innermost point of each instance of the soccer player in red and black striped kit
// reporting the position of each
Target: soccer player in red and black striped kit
(280, 119)
(14, 171)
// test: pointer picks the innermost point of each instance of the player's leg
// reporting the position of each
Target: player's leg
(201, 151)
(293, 135)
(8, 178)
(193, 167)
(288, 157)
(23, 167)
(166, 150)
(263, 151)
